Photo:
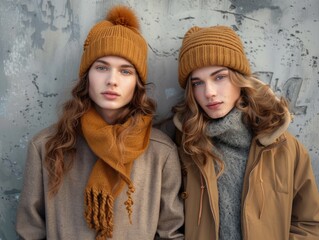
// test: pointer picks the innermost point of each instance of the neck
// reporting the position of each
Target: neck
(230, 130)
(110, 116)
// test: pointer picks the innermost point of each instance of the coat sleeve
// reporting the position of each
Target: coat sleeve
(171, 217)
(30, 222)
(305, 208)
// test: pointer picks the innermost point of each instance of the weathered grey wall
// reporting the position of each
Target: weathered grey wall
(41, 44)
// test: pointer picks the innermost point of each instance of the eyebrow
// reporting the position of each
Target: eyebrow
(212, 74)
(107, 63)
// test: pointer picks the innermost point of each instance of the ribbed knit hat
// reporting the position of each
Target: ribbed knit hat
(218, 46)
(118, 35)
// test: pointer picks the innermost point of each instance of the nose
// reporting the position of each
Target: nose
(112, 78)
(210, 90)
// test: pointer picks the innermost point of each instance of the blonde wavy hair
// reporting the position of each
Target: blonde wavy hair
(263, 112)
(61, 146)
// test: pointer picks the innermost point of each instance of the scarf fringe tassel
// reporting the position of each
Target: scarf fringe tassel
(99, 212)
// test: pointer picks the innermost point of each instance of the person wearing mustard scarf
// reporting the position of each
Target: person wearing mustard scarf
(102, 171)
(112, 170)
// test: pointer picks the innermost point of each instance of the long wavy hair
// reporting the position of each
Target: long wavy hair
(61, 145)
(263, 112)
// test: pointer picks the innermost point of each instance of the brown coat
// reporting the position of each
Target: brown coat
(280, 197)
(157, 209)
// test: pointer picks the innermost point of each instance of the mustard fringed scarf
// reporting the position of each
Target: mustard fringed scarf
(112, 169)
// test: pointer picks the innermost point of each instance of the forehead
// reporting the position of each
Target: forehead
(114, 60)
(207, 71)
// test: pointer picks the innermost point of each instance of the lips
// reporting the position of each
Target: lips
(213, 105)
(110, 95)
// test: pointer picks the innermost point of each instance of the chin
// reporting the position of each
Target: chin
(217, 116)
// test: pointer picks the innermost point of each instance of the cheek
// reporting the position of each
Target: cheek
(232, 92)
(197, 94)
(91, 92)
(90, 79)
(91, 86)
(130, 89)
(236, 93)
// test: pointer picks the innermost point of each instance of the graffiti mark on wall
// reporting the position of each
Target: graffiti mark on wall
(239, 17)
(44, 94)
(158, 53)
(44, 16)
(290, 90)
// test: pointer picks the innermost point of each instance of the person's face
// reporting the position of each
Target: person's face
(112, 82)
(213, 90)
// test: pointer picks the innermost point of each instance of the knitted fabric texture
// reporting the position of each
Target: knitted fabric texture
(211, 46)
(232, 140)
(117, 35)
(112, 170)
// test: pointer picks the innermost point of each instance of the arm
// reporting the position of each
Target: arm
(171, 217)
(30, 222)
(305, 208)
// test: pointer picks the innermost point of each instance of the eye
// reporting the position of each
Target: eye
(220, 77)
(196, 83)
(102, 68)
(127, 71)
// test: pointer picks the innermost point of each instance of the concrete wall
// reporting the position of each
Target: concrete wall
(41, 44)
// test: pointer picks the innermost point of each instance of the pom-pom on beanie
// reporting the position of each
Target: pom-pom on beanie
(117, 35)
(218, 46)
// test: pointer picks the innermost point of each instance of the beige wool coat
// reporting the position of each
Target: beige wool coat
(157, 209)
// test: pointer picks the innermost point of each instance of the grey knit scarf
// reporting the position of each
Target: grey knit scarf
(232, 140)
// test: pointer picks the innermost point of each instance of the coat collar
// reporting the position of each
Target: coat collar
(264, 139)
(268, 139)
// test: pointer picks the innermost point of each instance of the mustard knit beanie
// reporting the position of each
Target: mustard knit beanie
(118, 35)
(218, 46)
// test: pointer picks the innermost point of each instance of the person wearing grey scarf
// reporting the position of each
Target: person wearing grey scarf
(244, 175)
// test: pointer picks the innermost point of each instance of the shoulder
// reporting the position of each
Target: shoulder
(163, 152)
(160, 137)
(36, 148)
(41, 137)
(294, 145)
(161, 145)
(289, 148)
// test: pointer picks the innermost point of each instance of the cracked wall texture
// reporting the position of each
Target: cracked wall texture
(41, 45)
